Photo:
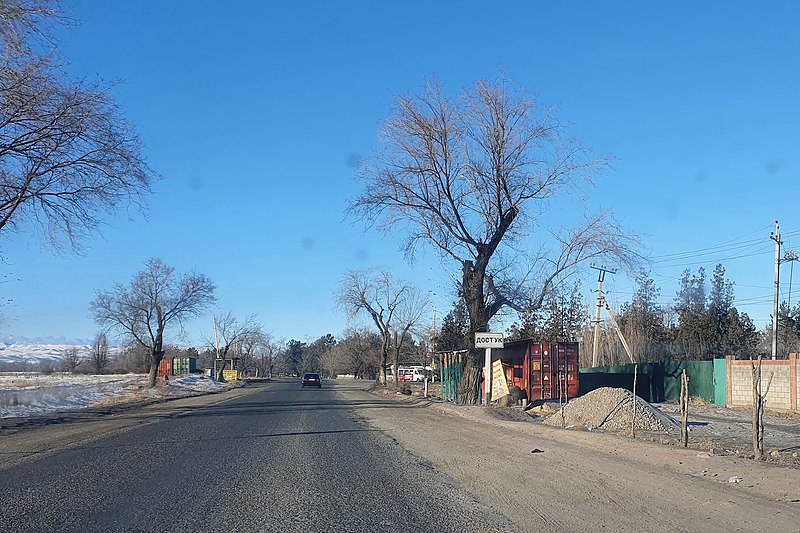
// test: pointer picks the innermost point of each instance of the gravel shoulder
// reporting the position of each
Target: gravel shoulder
(546, 478)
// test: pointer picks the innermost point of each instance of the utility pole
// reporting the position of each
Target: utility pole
(600, 299)
(776, 236)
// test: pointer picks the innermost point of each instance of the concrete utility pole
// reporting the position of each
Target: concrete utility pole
(776, 236)
(600, 299)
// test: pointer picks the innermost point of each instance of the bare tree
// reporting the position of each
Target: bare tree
(472, 177)
(70, 360)
(413, 306)
(230, 335)
(263, 349)
(376, 293)
(135, 357)
(156, 297)
(67, 157)
(257, 353)
(23, 23)
(358, 353)
(759, 400)
(98, 354)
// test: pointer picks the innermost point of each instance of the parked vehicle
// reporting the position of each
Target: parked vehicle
(414, 373)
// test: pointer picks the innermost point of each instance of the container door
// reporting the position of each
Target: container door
(535, 358)
(567, 375)
(548, 371)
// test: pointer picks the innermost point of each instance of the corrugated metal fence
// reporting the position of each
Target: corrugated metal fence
(659, 382)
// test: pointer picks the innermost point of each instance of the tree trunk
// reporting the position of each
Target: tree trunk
(472, 288)
(758, 440)
(151, 375)
(155, 359)
(220, 371)
(156, 354)
(384, 358)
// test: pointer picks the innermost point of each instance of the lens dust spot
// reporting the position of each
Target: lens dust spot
(196, 183)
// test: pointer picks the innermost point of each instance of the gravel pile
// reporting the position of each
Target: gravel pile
(611, 409)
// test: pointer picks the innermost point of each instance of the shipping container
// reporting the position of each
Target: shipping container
(165, 368)
(184, 365)
(543, 370)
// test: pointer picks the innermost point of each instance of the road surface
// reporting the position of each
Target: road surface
(273, 457)
(270, 457)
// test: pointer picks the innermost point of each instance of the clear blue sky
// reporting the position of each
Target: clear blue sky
(254, 112)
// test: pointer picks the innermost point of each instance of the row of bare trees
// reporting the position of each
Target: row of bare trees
(395, 307)
(154, 306)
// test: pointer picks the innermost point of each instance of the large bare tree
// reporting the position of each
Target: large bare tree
(475, 177)
(67, 156)
(156, 297)
(377, 294)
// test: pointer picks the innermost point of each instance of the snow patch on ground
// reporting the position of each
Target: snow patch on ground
(27, 394)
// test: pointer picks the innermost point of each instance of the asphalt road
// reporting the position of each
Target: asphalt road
(276, 458)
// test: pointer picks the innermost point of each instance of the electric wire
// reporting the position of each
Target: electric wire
(735, 249)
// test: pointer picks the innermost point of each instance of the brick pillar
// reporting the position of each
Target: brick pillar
(793, 380)
(728, 381)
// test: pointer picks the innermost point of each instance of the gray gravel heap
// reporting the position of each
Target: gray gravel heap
(611, 409)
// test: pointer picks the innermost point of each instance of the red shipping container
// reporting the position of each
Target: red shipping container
(544, 370)
(165, 368)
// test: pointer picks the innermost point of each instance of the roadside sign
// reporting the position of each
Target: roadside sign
(499, 383)
(488, 340)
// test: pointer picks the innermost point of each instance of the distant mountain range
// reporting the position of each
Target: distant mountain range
(16, 353)
(12, 355)
(47, 339)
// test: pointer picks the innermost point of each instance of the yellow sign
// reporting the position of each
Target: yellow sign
(537, 365)
(230, 375)
(499, 384)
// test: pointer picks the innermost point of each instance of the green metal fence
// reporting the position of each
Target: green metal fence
(451, 368)
(659, 382)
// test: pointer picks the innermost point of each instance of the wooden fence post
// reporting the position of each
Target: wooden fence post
(684, 409)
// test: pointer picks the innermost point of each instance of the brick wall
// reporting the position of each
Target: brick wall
(784, 387)
(794, 369)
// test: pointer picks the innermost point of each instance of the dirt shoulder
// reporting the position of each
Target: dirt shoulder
(547, 478)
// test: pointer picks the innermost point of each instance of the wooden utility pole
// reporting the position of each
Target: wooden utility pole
(600, 299)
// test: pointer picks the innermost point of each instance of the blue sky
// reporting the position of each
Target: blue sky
(254, 113)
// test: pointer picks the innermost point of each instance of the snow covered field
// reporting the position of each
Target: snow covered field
(28, 393)
(33, 354)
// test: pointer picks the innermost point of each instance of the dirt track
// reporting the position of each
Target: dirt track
(582, 481)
